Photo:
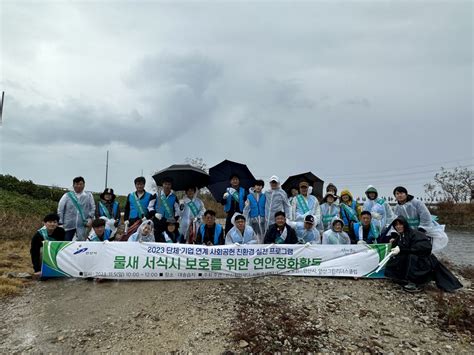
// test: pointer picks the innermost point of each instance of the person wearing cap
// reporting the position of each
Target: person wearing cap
(233, 201)
(416, 213)
(280, 232)
(306, 231)
(144, 234)
(191, 212)
(163, 206)
(305, 204)
(49, 232)
(240, 233)
(382, 214)
(254, 210)
(136, 207)
(210, 232)
(329, 210)
(99, 231)
(276, 200)
(365, 231)
(171, 234)
(108, 207)
(76, 210)
(412, 263)
(349, 209)
(336, 234)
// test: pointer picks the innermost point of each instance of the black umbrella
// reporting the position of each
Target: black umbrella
(313, 180)
(220, 177)
(182, 176)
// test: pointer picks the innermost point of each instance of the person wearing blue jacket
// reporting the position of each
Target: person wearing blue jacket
(163, 205)
(254, 210)
(99, 232)
(136, 207)
(365, 231)
(233, 200)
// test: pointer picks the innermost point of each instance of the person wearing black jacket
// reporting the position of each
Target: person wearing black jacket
(50, 232)
(171, 234)
(412, 263)
(280, 232)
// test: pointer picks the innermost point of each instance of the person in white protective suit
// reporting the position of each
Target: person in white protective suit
(191, 213)
(336, 235)
(382, 214)
(329, 210)
(276, 200)
(240, 233)
(305, 204)
(306, 231)
(144, 233)
(419, 218)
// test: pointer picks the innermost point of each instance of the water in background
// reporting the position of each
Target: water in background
(460, 249)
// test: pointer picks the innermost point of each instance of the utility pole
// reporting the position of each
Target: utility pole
(106, 169)
(1, 107)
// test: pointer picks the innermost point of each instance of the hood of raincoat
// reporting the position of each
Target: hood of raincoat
(404, 222)
(370, 188)
(346, 192)
(334, 220)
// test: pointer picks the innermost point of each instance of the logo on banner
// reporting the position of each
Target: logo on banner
(80, 250)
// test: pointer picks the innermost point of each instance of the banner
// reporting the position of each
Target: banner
(162, 261)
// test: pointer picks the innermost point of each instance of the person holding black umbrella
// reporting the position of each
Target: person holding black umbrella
(233, 201)
(163, 206)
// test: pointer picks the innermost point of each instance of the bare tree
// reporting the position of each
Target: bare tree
(456, 184)
(198, 163)
(431, 191)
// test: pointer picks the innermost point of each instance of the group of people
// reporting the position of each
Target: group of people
(252, 217)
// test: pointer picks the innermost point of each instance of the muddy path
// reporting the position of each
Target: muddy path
(262, 315)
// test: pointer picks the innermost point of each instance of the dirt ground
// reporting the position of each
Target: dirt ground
(267, 314)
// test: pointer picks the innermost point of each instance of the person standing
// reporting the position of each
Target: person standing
(276, 200)
(233, 201)
(136, 207)
(76, 210)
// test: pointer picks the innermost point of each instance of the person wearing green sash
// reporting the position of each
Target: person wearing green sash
(349, 210)
(305, 204)
(136, 207)
(76, 210)
(108, 207)
(49, 232)
(280, 232)
(192, 210)
(163, 206)
(329, 210)
(233, 200)
(415, 212)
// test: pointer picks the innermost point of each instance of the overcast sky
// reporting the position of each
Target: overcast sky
(373, 92)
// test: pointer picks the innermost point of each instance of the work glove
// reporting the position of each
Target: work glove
(144, 219)
(376, 215)
(158, 216)
(237, 244)
(361, 242)
(126, 223)
(232, 190)
(225, 196)
(396, 250)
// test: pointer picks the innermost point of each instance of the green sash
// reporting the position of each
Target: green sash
(167, 207)
(193, 208)
(76, 204)
(380, 201)
(235, 196)
(352, 214)
(138, 205)
(279, 240)
(413, 222)
(105, 210)
(44, 233)
(328, 218)
(375, 231)
(302, 203)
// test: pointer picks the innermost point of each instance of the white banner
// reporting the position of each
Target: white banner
(121, 260)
